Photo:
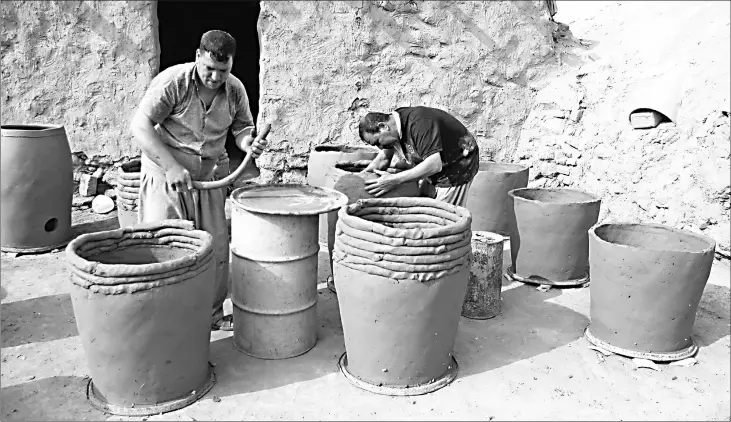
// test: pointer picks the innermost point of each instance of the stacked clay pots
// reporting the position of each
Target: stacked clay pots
(402, 267)
(128, 192)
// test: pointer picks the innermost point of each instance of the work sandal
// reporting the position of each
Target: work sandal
(224, 323)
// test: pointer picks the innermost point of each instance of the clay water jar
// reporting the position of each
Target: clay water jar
(323, 158)
(646, 283)
(128, 192)
(348, 179)
(549, 243)
(36, 188)
(142, 297)
(482, 300)
(274, 260)
(488, 200)
(402, 266)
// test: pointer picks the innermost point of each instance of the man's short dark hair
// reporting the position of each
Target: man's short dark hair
(369, 123)
(221, 45)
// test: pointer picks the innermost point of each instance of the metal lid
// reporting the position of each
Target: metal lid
(288, 199)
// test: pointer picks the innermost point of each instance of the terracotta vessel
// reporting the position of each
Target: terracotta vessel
(274, 279)
(142, 297)
(488, 200)
(128, 192)
(646, 283)
(482, 300)
(550, 241)
(36, 188)
(348, 179)
(323, 158)
(402, 266)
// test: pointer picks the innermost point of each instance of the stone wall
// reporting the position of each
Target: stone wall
(81, 64)
(323, 64)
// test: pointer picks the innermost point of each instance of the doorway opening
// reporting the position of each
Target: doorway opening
(181, 25)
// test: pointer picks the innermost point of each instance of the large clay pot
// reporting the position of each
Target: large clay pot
(323, 158)
(488, 200)
(402, 266)
(274, 278)
(348, 179)
(142, 297)
(646, 283)
(550, 240)
(128, 192)
(37, 186)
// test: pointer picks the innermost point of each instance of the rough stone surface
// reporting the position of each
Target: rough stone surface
(84, 65)
(323, 64)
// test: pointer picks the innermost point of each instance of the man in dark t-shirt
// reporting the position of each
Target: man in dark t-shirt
(436, 145)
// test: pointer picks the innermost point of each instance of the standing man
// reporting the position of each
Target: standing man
(437, 146)
(181, 126)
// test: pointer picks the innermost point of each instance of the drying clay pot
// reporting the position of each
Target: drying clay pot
(128, 192)
(646, 283)
(489, 202)
(323, 158)
(36, 188)
(142, 298)
(274, 279)
(402, 267)
(348, 179)
(482, 300)
(550, 242)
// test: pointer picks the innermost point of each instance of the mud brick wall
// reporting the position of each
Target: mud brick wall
(325, 63)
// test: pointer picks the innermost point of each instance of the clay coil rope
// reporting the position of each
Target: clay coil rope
(128, 278)
(365, 242)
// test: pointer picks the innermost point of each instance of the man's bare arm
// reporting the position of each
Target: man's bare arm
(147, 138)
(382, 160)
(431, 165)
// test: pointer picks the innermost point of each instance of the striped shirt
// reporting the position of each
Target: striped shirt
(182, 121)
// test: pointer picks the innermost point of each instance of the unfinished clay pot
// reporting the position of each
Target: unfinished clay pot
(142, 298)
(549, 243)
(348, 179)
(128, 192)
(482, 300)
(36, 188)
(322, 159)
(646, 283)
(274, 279)
(402, 266)
(489, 202)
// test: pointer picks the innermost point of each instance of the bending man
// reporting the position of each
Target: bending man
(181, 126)
(434, 143)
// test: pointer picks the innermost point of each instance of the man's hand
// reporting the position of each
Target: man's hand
(258, 146)
(179, 179)
(382, 185)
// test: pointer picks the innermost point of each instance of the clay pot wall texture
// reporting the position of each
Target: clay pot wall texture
(325, 63)
(83, 65)
(578, 134)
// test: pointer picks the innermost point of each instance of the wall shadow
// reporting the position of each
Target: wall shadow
(528, 325)
(37, 320)
(713, 317)
(54, 398)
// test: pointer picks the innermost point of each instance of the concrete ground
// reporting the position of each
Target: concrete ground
(529, 363)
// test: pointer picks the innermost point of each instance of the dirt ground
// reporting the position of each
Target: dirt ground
(529, 363)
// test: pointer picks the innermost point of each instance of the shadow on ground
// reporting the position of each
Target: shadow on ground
(713, 318)
(55, 398)
(37, 320)
(528, 325)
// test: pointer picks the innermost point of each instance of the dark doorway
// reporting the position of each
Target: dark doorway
(183, 22)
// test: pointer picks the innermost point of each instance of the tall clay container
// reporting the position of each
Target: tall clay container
(128, 192)
(550, 240)
(489, 202)
(348, 179)
(402, 266)
(482, 300)
(646, 283)
(36, 188)
(142, 297)
(322, 159)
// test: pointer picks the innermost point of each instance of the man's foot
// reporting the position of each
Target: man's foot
(331, 284)
(223, 323)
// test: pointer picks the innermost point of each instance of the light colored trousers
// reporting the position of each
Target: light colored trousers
(455, 195)
(159, 202)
